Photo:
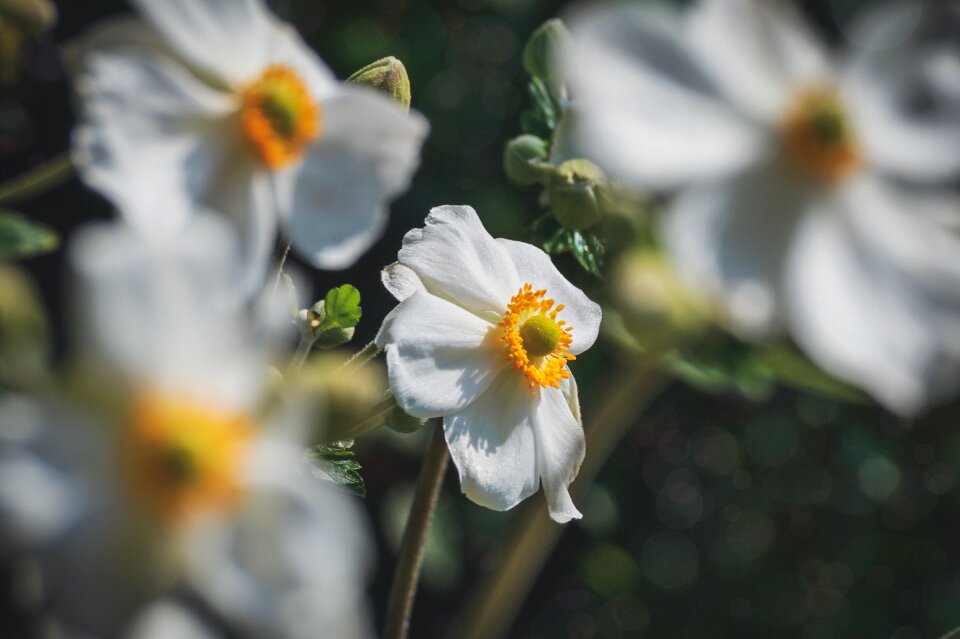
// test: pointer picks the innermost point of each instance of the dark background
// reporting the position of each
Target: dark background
(717, 517)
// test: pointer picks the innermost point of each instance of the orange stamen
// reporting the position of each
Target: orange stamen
(544, 370)
(279, 116)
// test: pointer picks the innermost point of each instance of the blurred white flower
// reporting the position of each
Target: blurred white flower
(219, 104)
(182, 482)
(786, 212)
(482, 337)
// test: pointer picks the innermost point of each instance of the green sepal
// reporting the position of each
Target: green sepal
(20, 237)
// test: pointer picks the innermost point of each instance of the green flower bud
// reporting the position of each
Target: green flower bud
(541, 56)
(524, 158)
(577, 194)
(388, 75)
(333, 337)
(29, 16)
(402, 422)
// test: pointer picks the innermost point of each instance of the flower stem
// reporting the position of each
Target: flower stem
(953, 634)
(280, 264)
(37, 180)
(494, 604)
(413, 545)
(361, 357)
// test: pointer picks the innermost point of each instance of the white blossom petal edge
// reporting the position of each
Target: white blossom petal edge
(482, 337)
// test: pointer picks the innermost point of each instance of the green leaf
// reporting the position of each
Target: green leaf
(19, 237)
(342, 306)
(589, 250)
(334, 462)
(792, 368)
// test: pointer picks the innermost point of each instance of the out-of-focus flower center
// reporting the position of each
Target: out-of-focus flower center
(537, 342)
(279, 116)
(818, 139)
(183, 459)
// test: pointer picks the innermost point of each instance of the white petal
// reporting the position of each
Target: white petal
(560, 448)
(440, 357)
(456, 259)
(729, 239)
(493, 445)
(228, 40)
(535, 267)
(166, 314)
(150, 133)
(874, 295)
(166, 619)
(649, 113)
(401, 281)
(292, 557)
(288, 48)
(335, 203)
(903, 89)
(758, 52)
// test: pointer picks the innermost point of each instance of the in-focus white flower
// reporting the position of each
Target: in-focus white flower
(176, 480)
(786, 212)
(219, 104)
(482, 337)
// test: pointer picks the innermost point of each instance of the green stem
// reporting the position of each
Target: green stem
(495, 603)
(953, 634)
(303, 351)
(375, 421)
(37, 180)
(362, 356)
(413, 545)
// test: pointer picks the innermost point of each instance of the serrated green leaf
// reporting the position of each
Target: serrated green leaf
(543, 104)
(19, 237)
(588, 249)
(342, 306)
(334, 462)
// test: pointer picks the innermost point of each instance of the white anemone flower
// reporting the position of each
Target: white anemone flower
(176, 480)
(792, 167)
(482, 337)
(219, 104)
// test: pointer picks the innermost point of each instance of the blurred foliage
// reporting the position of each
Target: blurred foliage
(334, 462)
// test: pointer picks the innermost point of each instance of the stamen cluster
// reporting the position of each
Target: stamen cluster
(540, 369)
(279, 116)
(818, 139)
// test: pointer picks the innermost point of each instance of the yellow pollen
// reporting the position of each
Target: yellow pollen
(537, 342)
(818, 139)
(182, 459)
(279, 117)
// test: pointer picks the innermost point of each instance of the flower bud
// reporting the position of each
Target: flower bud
(524, 158)
(542, 56)
(577, 193)
(388, 75)
(29, 16)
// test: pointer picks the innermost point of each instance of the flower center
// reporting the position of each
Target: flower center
(537, 342)
(818, 139)
(279, 117)
(182, 459)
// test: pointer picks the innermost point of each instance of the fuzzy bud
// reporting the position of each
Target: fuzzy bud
(387, 75)
(524, 159)
(542, 55)
(577, 194)
(402, 422)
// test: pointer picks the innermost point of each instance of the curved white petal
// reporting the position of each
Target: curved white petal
(401, 281)
(166, 314)
(903, 88)
(649, 113)
(535, 267)
(167, 619)
(292, 558)
(874, 295)
(334, 204)
(228, 40)
(151, 134)
(494, 446)
(560, 447)
(287, 48)
(729, 239)
(440, 357)
(758, 52)
(457, 259)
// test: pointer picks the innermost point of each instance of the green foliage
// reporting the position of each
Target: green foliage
(586, 245)
(19, 237)
(334, 462)
(541, 118)
(342, 307)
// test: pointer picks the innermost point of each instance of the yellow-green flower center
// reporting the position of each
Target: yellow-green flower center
(818, 138)
(540, 335)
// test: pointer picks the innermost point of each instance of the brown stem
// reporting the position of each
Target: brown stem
(495, 603)
(413, 545)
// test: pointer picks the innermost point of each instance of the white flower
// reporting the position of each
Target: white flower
(219, 104)
(782, 157)
(482, 337)
(176, 480)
